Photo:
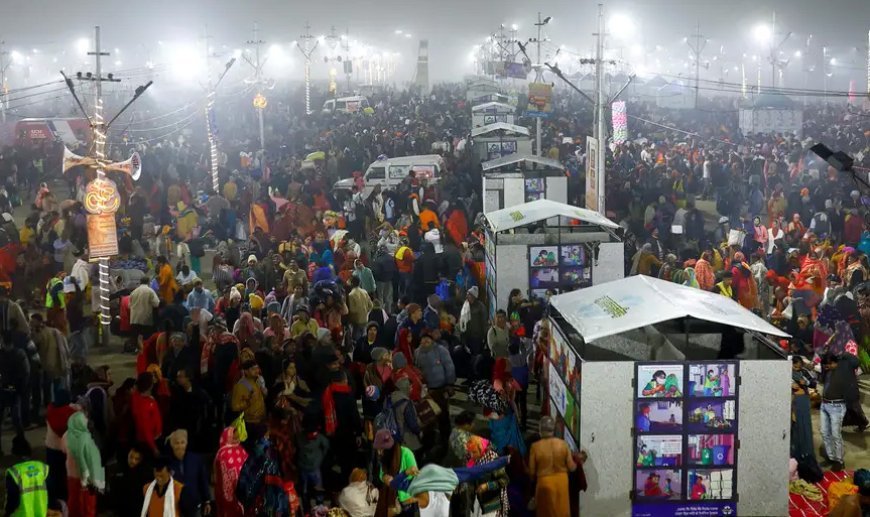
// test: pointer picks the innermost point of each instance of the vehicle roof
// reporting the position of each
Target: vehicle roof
(352, 98)
(411, 160)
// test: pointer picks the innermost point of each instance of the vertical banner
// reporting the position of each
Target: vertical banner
(685, 439)
(591, 174)
(620, 122)
(540, 100)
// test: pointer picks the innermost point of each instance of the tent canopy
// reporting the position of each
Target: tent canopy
(541, 210)
(517, 158)
(506, 108)
(634, 302)
(499, 126)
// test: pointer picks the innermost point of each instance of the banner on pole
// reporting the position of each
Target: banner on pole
(102, 236)
(540, 100)
(620, 122)
(591, 173)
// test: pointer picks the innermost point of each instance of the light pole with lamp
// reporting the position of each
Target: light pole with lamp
(307, 48)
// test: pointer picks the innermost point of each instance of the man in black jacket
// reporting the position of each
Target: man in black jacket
(385, 272)
(841, 389)
(14, 373)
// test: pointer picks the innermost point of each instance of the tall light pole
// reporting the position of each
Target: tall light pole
(307, 48)
(210, 125)
(696, 43)
(4, 65)
(102, 197)
(539, 77)
(600, 132)
(258, 74)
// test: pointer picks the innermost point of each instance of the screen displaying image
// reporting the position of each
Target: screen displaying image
(659, 416)
(659, 451)
(534, 196)
(712, 380)
(544, 277)
(535, 185)
(541, 294)
(573, 255)
(660, 381)
(711, 450)
(711, 484)
(575, 276)
(705, 416)
(543, 256)
(658, 484)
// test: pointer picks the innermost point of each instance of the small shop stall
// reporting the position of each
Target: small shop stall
(500, 139)
(548, 246)
(635, 375)
(519, 178)
(480, 87)
(771, 114)
(492, 112)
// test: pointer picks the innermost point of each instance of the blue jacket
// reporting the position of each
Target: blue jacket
(436, 365)
(192, 473)
(201, 300)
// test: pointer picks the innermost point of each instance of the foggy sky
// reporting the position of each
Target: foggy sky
(451, 26)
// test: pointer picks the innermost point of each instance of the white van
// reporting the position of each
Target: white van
(346, 104)
(390, 172)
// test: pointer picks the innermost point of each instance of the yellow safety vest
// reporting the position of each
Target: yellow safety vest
(30, 477)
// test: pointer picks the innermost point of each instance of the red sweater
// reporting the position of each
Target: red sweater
(57, 417)
(147, 419)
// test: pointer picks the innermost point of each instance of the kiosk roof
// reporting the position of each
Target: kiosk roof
(515, 158)
(540, 210)
(499, 126)
(634, 302)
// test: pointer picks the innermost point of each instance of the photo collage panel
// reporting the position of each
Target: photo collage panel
(559, 268)
(685, 432)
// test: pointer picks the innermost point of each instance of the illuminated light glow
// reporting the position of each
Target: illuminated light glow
(237, 53)
(762, 33)
(637, 50)
(833, 61)
(797, 53)
(82, 45)
(621, 26)
(260, 101)
(17, 57)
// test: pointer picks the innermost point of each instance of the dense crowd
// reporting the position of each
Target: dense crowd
(304, 350)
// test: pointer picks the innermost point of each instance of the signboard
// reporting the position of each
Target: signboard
(540, 100)
(685, 439)
(771, 121)
(102, 236)
(563, 384)
(620, 122)
(591, 173)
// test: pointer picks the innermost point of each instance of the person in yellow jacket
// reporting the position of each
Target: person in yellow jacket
(27, 493)
(725, 288)
(186, 222)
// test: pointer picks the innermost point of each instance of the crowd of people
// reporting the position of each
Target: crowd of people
(303, 350)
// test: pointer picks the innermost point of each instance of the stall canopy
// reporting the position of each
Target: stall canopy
(631, 303)
(520, 160)
(541, 210)
(499, 126)
(507, 108)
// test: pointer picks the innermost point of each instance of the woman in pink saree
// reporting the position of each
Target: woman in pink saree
(227, 465)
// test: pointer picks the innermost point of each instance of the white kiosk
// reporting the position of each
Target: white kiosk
(520, 178)
(492, 112)
(548, 246)
(670, 428)
(771, 114)
(500, 139)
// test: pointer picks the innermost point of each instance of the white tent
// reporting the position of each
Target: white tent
(499, 126)
(540, 210)
(622, 305)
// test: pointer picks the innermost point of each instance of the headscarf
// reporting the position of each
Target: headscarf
(84, 452)
(260, 485)
(328, 402)
(691, 281)
(635, 260)
(228, 463)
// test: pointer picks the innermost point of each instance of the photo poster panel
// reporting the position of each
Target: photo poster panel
(563, 385)
(558, 268)
(685, 439)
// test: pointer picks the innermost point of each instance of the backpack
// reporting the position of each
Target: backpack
(387, 419)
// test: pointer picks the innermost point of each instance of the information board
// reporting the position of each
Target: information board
(685, 439)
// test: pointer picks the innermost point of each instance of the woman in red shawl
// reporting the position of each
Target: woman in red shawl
(227, 465)
(457, 225)
(744, 283)
(814, 269)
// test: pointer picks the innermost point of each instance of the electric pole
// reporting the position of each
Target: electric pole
(539, 77)
(348, 62)
(599, 131)
(307, 48)
(258, 77)
(697, 42)
(210, 119)
(3, 88)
